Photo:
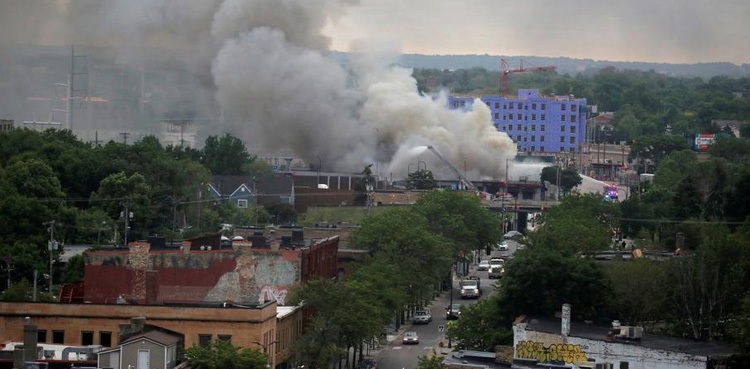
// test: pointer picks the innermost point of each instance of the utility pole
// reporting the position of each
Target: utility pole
(51, 245)
(127, 215)
(125, 136)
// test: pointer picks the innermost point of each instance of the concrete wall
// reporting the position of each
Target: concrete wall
(548, 347)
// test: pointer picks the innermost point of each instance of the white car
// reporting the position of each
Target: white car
(484, 266)
(422, 317)
(410, 337)
(503, 246)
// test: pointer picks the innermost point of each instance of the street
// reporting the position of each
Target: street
(396, 355)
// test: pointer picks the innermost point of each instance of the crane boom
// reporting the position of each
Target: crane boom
(461, 179)
(505, 71)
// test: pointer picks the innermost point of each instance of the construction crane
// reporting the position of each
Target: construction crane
(462, 180)
(505, 71)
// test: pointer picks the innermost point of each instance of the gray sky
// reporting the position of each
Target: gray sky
(668, 31)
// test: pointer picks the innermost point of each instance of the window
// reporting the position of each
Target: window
(58, 337)
(624, 365)
(544, 106)
(225, 337)
(505, 107)
(562, 107)
(541, 138)
(543, 117)
(562, 128)
(533, 148)
(572, 141)
(541, 148)
(562, 118)
(503, 128)
(204, 340)
(41, 336)
(87, 338)
(524, 139)
(105, 339)
(542, 128)
(573, 107)
(510, 105)
(533, 139)
(518, 116)
(526, 107)
(533, 128)
(242, 203)
(562, 139)
(519, 127)
(525, 129)
(497, 116)
(533, 116)
(533, 106)
(572, 129)
(497, 105)
(572, 118)
(518, 138)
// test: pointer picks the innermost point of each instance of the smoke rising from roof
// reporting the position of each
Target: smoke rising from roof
(275, 85)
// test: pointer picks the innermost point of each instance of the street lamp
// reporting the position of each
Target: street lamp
(265, 350)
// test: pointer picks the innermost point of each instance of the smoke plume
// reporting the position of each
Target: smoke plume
(276, 87)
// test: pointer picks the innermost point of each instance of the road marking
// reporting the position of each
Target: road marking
(397, 347)
(428, 347)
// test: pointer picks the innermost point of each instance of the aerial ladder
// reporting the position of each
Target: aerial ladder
(462, 180)
(505, 71)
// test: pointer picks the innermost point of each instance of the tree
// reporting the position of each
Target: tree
(460, 218)
(227, 155)
(482, 326)
(539, 281)
(430, 362)
(567, 178)
(74, 269)
(581, 223)
(222, 354)
(637, 294)
(421, 180)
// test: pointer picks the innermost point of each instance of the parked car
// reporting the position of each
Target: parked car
(411, 338)
(512, 234)
(453, 312)
(422, 317)
(484, 265)
(503, 246)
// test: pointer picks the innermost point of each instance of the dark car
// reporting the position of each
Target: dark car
(453, 312)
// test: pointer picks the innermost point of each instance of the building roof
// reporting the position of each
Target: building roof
(649, 340)
(160, 337)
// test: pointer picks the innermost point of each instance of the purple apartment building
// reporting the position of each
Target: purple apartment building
(539, 125)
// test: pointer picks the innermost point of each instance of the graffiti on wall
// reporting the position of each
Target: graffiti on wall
(567, 353)
(270, 293)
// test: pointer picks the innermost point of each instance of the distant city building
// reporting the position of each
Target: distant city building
(6, 125)
(537, 124)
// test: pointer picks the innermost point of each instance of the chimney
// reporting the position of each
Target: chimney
(29, 340)
(565, 320)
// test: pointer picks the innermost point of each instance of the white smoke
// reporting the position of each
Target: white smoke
(277, 88)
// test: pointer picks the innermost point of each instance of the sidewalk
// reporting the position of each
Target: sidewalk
(440, 302)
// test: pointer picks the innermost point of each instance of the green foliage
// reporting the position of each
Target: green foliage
(460, 218)
(430, 362)
(421, 180)
(227, 155)
(567, 178)
(482, 326)
(581, 223)
(74, 269)
(638, 296)
(18, 292)
(223, 355)
(539, 281)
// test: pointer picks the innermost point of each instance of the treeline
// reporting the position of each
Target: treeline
(57, 187)
(643, 103)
